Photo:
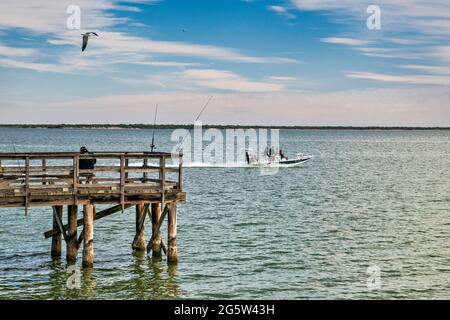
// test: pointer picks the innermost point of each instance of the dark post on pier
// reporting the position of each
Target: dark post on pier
(80, 182)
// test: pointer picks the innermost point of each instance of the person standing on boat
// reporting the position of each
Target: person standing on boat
(282, 155)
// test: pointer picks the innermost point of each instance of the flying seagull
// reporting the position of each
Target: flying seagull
(85, 39)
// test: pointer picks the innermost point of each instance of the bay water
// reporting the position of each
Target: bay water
(371, 203)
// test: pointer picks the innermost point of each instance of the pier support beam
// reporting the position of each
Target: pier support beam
(172, 251)
(156, 215)
(72, 246)
(56, 239)
(88, 236)
(139, 239)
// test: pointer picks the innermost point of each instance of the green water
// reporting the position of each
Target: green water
(368, 198)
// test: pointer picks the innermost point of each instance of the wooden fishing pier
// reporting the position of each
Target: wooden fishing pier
(121, 180)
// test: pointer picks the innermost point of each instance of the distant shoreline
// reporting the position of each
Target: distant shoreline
(207, 126)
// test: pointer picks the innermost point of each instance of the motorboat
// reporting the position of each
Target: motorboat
(275, 160)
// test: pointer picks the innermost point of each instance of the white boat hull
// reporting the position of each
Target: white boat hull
(277, 162)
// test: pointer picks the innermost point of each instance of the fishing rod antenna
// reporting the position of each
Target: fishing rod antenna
(15, 152)
(196, 119)
(153, 146)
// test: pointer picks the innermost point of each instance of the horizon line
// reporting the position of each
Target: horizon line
(170, 126)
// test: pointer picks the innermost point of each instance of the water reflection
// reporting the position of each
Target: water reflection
(88, 283)
(56, 279)
(150, 278)
(153, 279)
(172, 284)
(65, 283)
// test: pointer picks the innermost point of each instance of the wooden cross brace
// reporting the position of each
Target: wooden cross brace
(60, 224)
(141, 223)
(158, 226)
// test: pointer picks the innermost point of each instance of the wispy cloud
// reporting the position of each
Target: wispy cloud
(35, 66)
(406, 42)
(402, 79)
(394, 55)
(23, 58)
(121, 43)
(359, 45)
(168, 64)
(428, 69)
(379, 52)
(282, 78)
(421, 16)
(16, 52)
(345, 41)
(281, 11)
(441, 52)
(226, 80)
(50, 16)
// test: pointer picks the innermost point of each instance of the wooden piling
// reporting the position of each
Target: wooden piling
(145, 176)
(156, 215)
(56, 239)
(139, 239)
(172, 250)
(27, 186)
(88, 236)
(127, 163)
(44, 170)
(72, 246)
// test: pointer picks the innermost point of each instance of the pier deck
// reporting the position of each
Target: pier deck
(121, 179)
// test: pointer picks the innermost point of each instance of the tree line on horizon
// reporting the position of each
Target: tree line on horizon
(191, 126)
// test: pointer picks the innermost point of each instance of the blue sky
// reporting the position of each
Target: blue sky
(281, 62)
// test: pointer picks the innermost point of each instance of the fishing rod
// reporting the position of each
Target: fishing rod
(152, 146)
(15, 152)
(203, 109)
(196, 119)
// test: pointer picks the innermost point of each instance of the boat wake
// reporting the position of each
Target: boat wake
(214, 165)
(238, 165)
(286, 164)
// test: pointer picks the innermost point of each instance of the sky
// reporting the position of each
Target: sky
(265, 62)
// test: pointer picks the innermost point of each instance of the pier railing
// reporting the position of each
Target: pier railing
(126, 178)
